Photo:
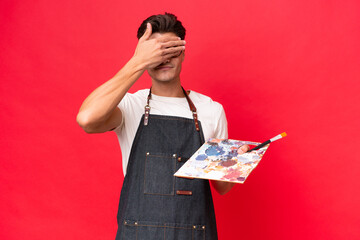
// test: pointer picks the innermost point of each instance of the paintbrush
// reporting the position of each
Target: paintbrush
(268, 141)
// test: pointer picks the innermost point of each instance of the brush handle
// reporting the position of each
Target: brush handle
(260, 146)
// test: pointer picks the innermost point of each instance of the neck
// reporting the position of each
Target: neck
(167, 89)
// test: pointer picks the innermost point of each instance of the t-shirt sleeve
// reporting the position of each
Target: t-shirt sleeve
(131, 107)
(122, 107)
(221, 129)
(118, 128)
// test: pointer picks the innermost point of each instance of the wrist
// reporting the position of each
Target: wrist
(137, 63)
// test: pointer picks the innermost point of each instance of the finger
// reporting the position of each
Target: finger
(173, 50)
(243, 149)
(147, 33)
(173, 44)
(170, 56)
(164, 39)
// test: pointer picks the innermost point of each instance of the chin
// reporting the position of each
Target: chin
(162, 78)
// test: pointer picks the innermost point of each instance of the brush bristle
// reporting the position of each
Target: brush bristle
(283, 134)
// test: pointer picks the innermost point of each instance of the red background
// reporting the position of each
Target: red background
(274, 65)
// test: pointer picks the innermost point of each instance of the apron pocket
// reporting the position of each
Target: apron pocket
(159, 174)
(156, 231)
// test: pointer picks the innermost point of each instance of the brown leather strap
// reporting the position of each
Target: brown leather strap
(147, 109)
(183, 192)
(191, 105)
(193, 110)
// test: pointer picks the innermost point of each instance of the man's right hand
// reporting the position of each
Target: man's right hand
(151, 52)
(99, 111)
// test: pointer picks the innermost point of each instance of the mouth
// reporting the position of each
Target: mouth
(163, 67)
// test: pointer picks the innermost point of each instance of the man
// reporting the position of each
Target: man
(158, 130)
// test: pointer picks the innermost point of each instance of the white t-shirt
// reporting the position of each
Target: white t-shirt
(210, 113)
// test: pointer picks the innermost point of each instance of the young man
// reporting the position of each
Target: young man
(158, 130)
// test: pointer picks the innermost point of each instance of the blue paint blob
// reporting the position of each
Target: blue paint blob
(201, 157)
(214, 151)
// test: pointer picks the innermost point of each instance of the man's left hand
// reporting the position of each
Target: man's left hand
(243, 149)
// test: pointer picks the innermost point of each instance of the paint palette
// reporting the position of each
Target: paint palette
(218, 159)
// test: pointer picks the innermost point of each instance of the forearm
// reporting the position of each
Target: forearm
(99, 112)
(222, 187)
(100, 106)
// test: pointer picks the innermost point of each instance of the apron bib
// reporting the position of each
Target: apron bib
(153, 203)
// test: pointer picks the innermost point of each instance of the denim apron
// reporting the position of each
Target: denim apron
(154, 204)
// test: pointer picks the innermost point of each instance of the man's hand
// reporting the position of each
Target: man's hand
(153, 51)
(243, 149)
(224, 187)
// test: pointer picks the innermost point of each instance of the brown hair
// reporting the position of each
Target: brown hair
(163, 23)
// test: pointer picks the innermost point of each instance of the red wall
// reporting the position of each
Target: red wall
(274, 65)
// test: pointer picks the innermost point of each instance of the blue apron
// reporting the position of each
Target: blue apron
(153, 203)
